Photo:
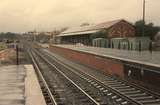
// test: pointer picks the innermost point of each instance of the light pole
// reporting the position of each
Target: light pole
(144, 7)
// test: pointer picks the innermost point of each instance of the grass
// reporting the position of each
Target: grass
(2, 46)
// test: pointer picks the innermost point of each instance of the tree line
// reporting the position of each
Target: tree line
(8, 35)
(150, 29)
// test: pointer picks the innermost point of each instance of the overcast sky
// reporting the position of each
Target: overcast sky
(46, 15)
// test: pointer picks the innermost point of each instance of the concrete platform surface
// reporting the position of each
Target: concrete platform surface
(33, 92)
(15, 83)
(143, 57)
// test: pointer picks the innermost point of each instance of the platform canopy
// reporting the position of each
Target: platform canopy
(79, 33)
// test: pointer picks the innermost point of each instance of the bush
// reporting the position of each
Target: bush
(99, 34)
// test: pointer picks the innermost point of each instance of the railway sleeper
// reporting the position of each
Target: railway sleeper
(114, 83)
(125, 103)
(110, 79)
(151, 101)
(137, 95)
(124, 90)
(48, 100)
(119, 99)
(143, 98)
(132, 92)
(50, 104)
(116, 99)
(117, 85)
(124, 87)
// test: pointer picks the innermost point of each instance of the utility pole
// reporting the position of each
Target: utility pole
(17, 54)
(144, 7)
(34, 34)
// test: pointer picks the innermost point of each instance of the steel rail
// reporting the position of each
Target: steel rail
(45, 83)
(93, 100)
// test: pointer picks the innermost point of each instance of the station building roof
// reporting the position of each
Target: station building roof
(82, 30)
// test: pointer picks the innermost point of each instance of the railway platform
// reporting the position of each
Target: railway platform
(140, 66)
(143, 57)
(19, 86)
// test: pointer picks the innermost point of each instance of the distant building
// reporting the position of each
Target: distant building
(32, 33)
(116, 28)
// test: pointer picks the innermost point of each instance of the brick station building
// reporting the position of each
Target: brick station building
(117, 28)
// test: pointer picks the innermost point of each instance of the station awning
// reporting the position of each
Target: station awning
(79, 33)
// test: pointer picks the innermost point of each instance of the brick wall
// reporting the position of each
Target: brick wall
(108, 66)
(121, 29)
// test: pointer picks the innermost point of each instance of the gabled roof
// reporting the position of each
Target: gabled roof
(107, 25)
(90, 28)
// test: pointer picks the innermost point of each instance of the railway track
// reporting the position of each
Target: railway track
(98, 93)
(116, 90)
(50, 100)
(63, 90)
